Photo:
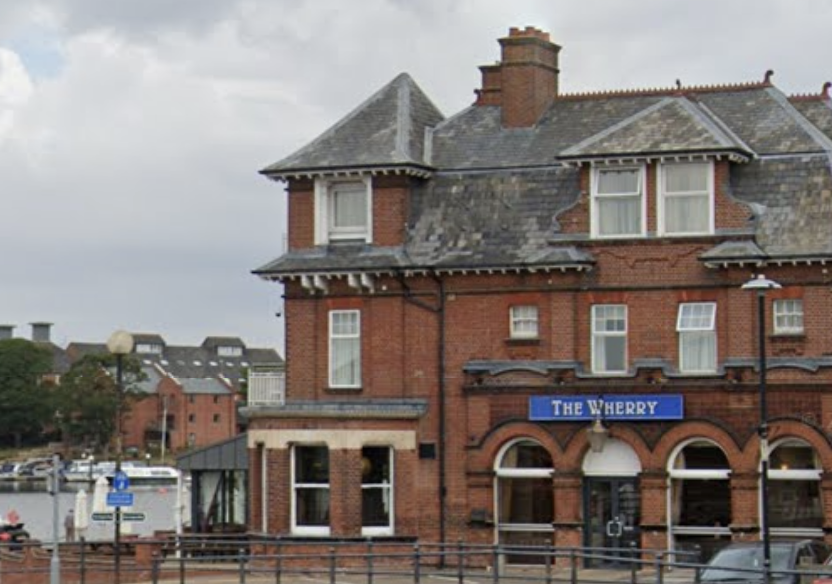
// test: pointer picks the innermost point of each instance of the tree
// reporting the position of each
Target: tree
(88, 399)
(26, 399)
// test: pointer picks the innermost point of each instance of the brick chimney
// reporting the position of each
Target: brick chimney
(525, 81)
(41, 332)
(6, 332)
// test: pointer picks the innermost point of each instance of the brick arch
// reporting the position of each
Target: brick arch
(576, 448)
(484, 456)
(791, 428)
(738, 458)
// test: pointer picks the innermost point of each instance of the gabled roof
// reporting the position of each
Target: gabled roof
(386, 132)
(673, 126)
(495, 194)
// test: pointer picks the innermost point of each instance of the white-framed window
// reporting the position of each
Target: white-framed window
(524, 322)
(618, 202)
(794, 491)
(699, 497)
(377, 490)
(696, 325)
(229, 351)
(686, 198)
(343, 210)
(149, 348)
(345, 348)
(310, 489)
(524, 498)
(788, 316)
(609, 338)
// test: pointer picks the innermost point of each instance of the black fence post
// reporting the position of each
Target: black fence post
(548, 566)
(633, 563)
(154, 568)
(460, 568)
(82, 568)
(659, 568)
(181, 567)
(278, 562)
(241, 559)
(370, 562)
(495, 567)
(417, 563)
(573, 576)
(332, 565)
(697, 572)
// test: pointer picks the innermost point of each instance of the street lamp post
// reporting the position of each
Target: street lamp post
(761, 285)
(120, 344)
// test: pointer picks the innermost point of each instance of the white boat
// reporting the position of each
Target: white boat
(142, 473)
(85, 471)
(137, 472)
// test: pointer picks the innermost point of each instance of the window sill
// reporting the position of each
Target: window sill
(523, 341)
(787, 337)
(343, 389)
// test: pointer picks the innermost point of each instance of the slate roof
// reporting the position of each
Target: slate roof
(673, 125)
(387, 130)
(495, 194)
(192, 362)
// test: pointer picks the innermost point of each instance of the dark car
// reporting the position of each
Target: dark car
(743, 562)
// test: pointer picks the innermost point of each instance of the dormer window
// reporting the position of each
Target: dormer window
(618, 202)
(149, 348)
(229, 351)
(686, 198)
(343, 210)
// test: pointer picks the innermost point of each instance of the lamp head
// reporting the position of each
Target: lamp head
(760, 282)
(120, 343)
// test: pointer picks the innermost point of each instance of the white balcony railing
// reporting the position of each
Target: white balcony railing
(266, 388)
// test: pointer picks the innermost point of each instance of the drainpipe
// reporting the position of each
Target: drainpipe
(439, 311)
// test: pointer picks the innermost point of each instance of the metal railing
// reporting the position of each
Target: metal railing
(251, 558)
(266, 388)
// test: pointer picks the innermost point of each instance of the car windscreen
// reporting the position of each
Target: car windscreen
(740, 563)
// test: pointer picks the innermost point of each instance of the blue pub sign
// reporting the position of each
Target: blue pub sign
(570, 408)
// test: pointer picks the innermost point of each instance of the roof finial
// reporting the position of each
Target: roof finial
(678, 84)
(824, 92)
(768, 76)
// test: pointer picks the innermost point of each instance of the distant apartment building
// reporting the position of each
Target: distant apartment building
(190, 394)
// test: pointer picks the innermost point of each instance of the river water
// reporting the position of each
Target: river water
(33, 503)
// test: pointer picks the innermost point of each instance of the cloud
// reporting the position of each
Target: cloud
(131, 132)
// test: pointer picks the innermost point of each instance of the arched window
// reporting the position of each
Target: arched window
(794, 504)
(524, 496)
(699, 498)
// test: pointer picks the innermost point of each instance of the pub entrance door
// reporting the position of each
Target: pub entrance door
(612, 515)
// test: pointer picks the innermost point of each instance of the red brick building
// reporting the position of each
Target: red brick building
(470, 299)
(190, 394)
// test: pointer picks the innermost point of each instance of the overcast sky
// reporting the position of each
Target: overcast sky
(131, 131)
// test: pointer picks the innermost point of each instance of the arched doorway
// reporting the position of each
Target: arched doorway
(612, 501)
(523, 497)
(699, 497)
